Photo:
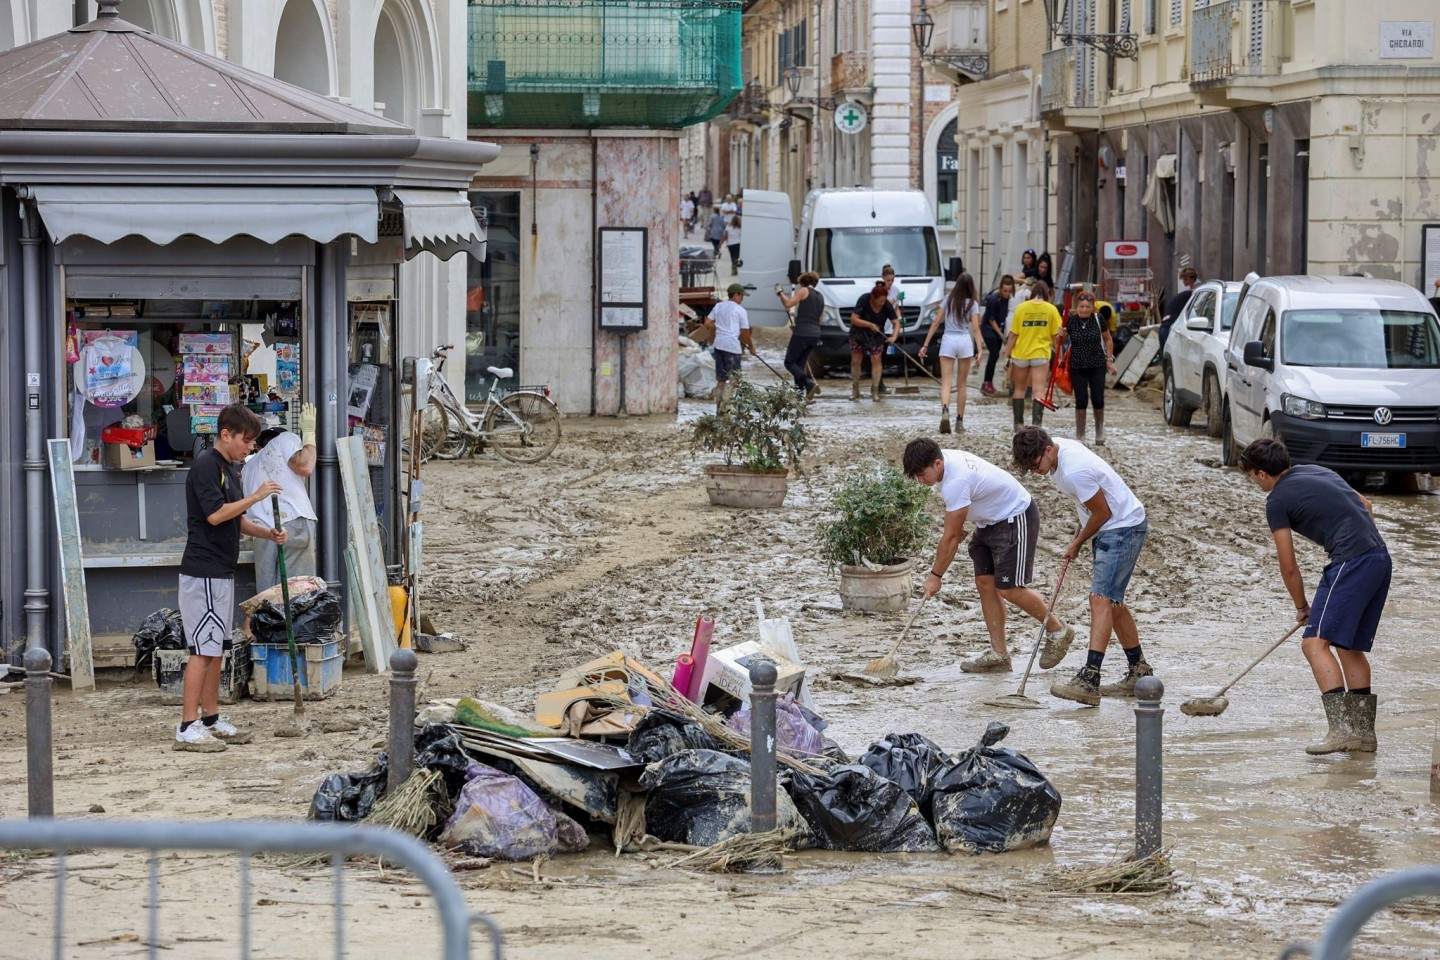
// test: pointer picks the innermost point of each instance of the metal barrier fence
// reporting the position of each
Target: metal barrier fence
(1357, 910)
(247, 838)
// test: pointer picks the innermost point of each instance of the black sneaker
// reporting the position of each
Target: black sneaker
(1085, 688)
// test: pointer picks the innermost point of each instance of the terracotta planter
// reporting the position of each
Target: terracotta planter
(744, 488)
(886, 590)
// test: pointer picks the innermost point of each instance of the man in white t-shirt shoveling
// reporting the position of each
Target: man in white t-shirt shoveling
(1113, 520)
(289, 460)
(731, 326)
(1007, 525)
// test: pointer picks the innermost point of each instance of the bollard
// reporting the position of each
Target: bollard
(403, 664)
(39, 758)
(1149, 727)
(762, 746)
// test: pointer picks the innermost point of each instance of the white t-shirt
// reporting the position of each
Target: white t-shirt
(728, 208)
(730, 318)
(959, 326)
(273, 463)
(1079, 474)
(732, 236)
(992, 494)
(687, 209)
(1021, 295)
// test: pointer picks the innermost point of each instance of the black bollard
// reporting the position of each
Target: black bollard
(1149, 729)
(762, 746)
(403, 664)
(39, 757)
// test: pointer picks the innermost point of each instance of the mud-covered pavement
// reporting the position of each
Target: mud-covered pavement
(610, 544)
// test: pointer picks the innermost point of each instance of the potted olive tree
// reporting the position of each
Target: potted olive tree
(881, 526)
(761, 434)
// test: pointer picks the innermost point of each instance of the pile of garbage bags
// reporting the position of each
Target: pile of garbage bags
(316, 617)
(161, 630)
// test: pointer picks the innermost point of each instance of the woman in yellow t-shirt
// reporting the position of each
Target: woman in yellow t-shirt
(1034, 332)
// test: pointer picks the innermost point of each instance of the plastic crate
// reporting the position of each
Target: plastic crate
(168, 671)
(321, 670)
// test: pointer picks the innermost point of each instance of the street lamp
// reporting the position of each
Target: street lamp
(922, 28)
(792, 80)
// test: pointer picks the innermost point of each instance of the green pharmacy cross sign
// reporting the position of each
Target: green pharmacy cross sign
(850, 117)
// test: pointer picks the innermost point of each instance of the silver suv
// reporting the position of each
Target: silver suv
(1194, 356)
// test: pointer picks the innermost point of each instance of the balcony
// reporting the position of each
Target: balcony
(849, 72)
(602, 63)
(960, 46)
(1067, 82)
(1235, 39)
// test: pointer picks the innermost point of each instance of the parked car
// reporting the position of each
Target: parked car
(1345, 370)
(1193, 360)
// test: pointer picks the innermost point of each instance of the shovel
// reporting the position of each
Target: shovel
(297, 729)
(1214, 706)
(885, 667)
(1018, 699)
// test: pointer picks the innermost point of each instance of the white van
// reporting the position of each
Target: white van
(1345, 370)
(846, 235)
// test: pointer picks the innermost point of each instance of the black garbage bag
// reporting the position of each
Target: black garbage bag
(993, 800)
(851, 807)
(701, 797)
(316, 615)
(349, 797)
(438, 748)
(833, 751)
(661, 734)
(161, 630)
(912, 761)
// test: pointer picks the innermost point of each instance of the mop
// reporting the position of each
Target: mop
(1018, 699)
(1214, 706)
(297, 728)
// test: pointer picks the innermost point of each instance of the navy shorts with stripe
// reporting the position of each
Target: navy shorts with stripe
(1006, 550)
(1349, 600)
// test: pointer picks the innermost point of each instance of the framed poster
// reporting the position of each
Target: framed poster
(1430, 259)
(623, 278)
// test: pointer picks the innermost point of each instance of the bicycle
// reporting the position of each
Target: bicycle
(522, 425)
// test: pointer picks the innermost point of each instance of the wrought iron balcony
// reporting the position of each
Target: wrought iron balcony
(601, 63)
(1067, 80)
(1235, 38)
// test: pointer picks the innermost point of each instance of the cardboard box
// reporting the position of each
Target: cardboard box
(729, 670)
(121, 456)
(551, 707)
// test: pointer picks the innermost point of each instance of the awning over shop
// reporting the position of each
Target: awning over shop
(161, 214)
(441, 222)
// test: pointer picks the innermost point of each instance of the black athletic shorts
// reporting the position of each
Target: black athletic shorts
(1006, 550)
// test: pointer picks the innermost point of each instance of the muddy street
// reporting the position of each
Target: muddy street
(610, 544)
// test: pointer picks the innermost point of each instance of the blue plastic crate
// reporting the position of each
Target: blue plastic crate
(321, 670)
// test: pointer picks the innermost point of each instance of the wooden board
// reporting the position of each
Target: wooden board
(364, 530)
(360, 612)
(72, 567)
(1148, 348)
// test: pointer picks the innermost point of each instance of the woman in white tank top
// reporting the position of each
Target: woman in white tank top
(960, 316)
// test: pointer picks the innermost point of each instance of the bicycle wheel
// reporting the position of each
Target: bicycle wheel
(434, 427)
(456, 442)
(523, 427)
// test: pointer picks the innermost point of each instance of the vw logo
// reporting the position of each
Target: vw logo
(1383, 415)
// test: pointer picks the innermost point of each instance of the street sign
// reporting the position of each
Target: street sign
(850, 117)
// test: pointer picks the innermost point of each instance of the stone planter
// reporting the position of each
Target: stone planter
(886, 590)
(744, 488)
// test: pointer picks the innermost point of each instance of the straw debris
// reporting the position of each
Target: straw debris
(738, 854)
(1148, 875)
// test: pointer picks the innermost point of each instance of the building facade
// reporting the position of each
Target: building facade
(1279, 136)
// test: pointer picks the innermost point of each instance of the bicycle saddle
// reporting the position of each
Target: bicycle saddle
(503, 373)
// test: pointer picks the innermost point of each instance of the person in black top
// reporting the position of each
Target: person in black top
(809, 306)
(1028, 270)
(215, 519)
(992, 326)
(867, 336)
(1176, 305)
(1342, 620)
(1044, 270)
(1092, 354)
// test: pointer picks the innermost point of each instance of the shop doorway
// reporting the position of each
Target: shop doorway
(492, 297)
(947, 168)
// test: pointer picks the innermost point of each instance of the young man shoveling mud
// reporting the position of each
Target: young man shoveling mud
(1007, 525)
(1340, 627)
(1112, 519)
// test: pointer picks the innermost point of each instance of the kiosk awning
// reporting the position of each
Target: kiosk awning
(440, 221)
(161, 214)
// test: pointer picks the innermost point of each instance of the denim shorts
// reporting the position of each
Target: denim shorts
(1116, 552)
(726, 364)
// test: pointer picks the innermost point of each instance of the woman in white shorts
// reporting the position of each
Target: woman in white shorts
(960, 315)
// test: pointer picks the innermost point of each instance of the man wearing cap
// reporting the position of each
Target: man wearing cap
(730, 326)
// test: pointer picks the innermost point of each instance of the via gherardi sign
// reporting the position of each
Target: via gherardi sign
(850, 117)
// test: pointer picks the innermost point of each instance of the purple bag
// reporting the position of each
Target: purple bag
(793, 733)
(498, 816)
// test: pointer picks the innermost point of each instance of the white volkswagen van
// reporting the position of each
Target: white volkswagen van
(1345, 370)
(846, 235)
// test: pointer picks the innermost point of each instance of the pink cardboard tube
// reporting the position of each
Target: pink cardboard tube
(700, 654)
(684, 667)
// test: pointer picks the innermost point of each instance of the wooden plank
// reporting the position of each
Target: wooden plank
(360, 612)
(72, 567)
(1149, 347)
(364, 529)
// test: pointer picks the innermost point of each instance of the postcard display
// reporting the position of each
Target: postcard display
(370, 401)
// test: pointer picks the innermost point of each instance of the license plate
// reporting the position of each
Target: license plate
(1391, 440)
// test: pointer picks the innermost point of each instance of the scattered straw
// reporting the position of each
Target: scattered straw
(1148, 875)
(739, 854)
(416, 807)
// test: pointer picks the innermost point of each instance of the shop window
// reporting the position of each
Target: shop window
(492, 299)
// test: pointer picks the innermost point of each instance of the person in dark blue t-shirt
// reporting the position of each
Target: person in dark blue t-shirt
(1340, 623)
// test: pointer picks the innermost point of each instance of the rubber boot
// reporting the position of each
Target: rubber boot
(1360, 715)
(944, 419)
(875, 391)
(1037, 412)
(1080, 425)
(1340, 737)
(1099, 427)
(1018, 405)
(855, 389)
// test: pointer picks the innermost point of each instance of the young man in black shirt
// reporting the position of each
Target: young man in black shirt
(1342, 620)
(215, 517)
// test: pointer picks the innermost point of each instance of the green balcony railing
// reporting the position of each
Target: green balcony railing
(602, 63)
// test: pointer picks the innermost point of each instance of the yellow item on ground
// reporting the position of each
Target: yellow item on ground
(399, 601)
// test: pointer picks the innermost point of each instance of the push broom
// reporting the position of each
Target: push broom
(296, 729)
